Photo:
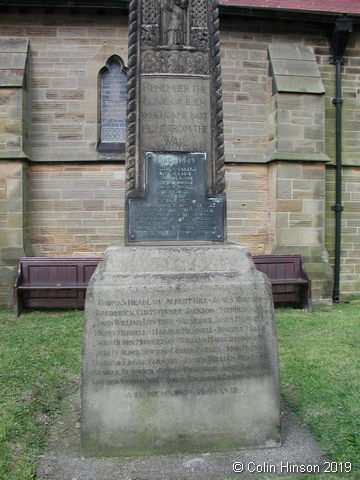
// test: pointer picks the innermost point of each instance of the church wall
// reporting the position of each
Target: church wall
(75, 209)
(72, 195)
(247, 192)
(66, 53)
(79, 209)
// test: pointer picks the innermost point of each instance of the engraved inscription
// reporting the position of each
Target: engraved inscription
(176, 114)
(176, 340)
(176, 206)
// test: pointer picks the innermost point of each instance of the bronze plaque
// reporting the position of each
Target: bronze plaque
(176, 207)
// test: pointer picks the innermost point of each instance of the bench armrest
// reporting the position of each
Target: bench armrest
(18, 275)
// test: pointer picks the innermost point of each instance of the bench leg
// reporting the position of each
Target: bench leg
(309, 299)
(306, 302)
(17, 303)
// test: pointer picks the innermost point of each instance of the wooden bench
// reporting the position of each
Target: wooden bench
(290, 283)
(52, 282)
(60, 282)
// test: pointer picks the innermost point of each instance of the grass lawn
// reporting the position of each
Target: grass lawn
(40, 364)
(319, 355)
(320, 377)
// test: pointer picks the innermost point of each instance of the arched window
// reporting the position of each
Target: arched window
(112, 106)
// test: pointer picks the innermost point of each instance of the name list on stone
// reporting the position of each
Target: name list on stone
(161, 339)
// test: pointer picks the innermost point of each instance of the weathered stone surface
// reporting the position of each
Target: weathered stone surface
(180, 347)
(175, 113)
(296, 84)
(179, 353)
(11, 45)
(295, 69)
(296, 52)
(302, 68)
(13, 237)
(11, 78)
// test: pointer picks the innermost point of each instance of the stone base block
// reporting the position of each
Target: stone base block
(179, 354)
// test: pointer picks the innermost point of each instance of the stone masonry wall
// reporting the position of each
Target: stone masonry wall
(300, 126)
(249, 104)
(297, 216)
(10, 122)
(256, 138)
(13, 242)
(350, 251)
(13, 55)
(66, 53)
(78, 209)
(246, 93)
(247, 206)
(75, 209)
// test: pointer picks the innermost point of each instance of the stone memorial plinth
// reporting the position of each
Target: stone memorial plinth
(180, 353)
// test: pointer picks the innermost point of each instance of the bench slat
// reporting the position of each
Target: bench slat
(64, 286)
(284, 281)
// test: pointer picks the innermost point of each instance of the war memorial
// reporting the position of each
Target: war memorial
(180, 348)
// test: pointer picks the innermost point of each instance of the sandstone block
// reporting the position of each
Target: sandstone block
(179, 353)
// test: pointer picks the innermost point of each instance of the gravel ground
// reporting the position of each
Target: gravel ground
(63, 461)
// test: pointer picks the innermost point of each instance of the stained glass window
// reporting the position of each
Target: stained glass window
(112, 106)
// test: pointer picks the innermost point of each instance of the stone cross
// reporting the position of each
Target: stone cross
(179, 340)
(175, 152)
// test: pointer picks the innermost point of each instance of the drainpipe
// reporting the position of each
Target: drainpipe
(343, 27)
